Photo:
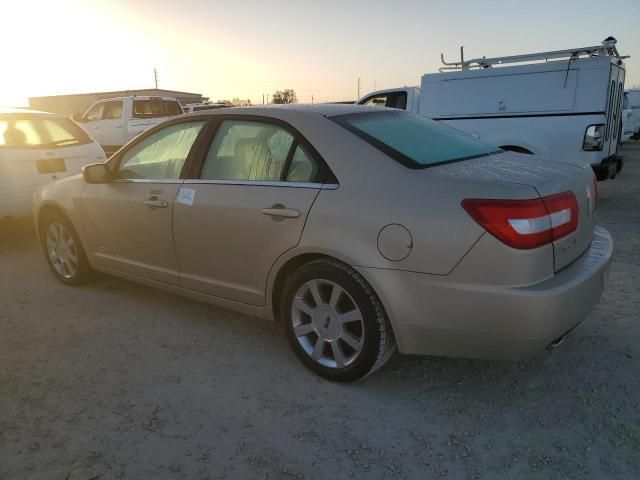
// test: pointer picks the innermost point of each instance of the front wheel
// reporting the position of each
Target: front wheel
(335, 322)
(63, 250)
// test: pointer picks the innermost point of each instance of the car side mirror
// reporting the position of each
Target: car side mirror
(77, 117)
(97, 173)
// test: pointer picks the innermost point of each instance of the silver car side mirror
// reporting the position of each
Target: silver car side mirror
(97, 173)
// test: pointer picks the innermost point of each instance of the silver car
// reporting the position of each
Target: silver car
(359, 228)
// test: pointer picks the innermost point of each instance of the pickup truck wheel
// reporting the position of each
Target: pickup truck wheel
(335, 322)
(63, 250)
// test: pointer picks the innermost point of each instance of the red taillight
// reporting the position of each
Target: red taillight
(526, 224)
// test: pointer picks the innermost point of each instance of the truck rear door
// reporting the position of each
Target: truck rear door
(614, 110)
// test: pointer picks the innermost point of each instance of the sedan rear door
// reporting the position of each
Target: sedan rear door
(245, 207)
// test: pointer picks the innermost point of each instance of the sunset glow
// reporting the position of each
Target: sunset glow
(252, 48)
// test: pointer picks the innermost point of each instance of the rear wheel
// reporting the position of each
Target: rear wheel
(63, 250)
(335, 323)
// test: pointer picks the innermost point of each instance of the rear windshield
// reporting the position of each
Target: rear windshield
(40, 132)
(155, 108)
(414, 141)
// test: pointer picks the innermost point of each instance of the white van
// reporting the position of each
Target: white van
(627, 120)
(634, 104)
(564, 104)
(115, 121)
(37, 148)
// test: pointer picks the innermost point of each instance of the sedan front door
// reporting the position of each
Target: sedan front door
(257, 184)
(128, 222)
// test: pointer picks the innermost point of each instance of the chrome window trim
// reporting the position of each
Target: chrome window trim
(263, 183)
(149, 180)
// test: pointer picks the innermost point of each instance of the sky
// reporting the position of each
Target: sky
(251, 48)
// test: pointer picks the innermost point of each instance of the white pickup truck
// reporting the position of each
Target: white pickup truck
(564, 104)
(112, 122)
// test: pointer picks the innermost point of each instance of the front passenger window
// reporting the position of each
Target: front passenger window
(95, 113)
(379, 101)
(162, 154)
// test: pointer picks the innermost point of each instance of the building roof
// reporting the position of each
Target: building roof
(140, 91)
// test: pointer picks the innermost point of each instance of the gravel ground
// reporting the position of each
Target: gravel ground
(116, 380)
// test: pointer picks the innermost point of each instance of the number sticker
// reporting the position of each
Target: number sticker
(186, 196)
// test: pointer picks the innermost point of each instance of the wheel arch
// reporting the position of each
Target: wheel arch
(288, 264)
(49, 208)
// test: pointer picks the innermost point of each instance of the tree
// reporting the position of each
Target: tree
(284, 96)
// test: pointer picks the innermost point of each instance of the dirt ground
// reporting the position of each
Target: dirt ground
(116, 380)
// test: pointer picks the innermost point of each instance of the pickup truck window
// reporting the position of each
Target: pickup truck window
(40, 132)
(414, 141)
(95, 113)
(396, 100)
(155, 108)
(112, 110)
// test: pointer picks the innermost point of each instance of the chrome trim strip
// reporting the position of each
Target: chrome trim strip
(257, 183)
(148, 180)
(261, 183)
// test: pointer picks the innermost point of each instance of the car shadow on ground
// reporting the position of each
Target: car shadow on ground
(402, 373)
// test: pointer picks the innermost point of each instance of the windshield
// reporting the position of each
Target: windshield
(414, 141)
(40, 132)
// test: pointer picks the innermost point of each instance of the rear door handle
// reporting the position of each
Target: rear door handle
(154, 203)
(280, 212)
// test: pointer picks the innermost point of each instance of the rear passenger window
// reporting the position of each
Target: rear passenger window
(161, 155)
(303, 168)
(247, 150)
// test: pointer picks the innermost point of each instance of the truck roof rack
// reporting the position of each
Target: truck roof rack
(606, 48)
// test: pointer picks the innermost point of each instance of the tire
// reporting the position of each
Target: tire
(66, 257)
(334, 321)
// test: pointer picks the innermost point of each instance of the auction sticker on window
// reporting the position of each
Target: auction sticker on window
(186, 196)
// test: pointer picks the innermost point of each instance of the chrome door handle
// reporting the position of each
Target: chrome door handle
(154, 203)
(280, 211)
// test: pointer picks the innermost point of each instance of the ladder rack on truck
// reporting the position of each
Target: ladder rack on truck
(560, 104)
(606, 48)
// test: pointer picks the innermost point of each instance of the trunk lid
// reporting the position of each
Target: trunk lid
(547, 178)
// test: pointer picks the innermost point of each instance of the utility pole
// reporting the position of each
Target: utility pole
(358, 89)
(267, 98)
(312, 99)
(155, 76)
(263, 98)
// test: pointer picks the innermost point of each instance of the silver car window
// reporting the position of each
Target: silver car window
(303, 168)
(162, 154)
(247, 150)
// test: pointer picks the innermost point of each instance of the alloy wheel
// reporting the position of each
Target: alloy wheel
(62, 250)
(327, 323)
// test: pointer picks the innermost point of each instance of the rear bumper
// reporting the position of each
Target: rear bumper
(608, 168)
(433, 316)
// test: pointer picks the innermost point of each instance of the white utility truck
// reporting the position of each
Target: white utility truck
(564, 104)
(633, 95)
(115, 121)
